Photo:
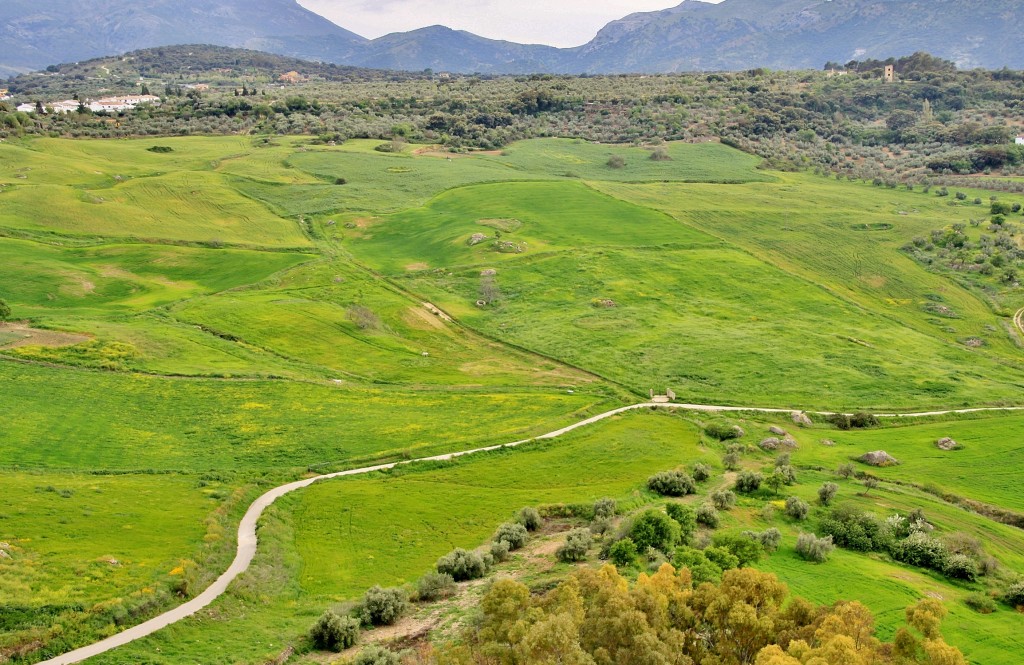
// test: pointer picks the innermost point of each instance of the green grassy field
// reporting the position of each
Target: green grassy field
(250, 319)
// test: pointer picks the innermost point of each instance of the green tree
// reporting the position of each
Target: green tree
(5, 311)
(655, 530)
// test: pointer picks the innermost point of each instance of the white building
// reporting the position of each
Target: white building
(26, 108)
(1020, 140)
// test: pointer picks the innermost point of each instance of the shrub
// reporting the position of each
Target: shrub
(770, 539)
(671, 483)
(660, 154)
(529, 518)
(707, 515)
(5, 311)
(1014, 594)
(605, 507)
(721, 557)
(685, 518)
(701, 568)
(616, 162)
(827, 492)
(333, 632)
(744, 549)
(980, 603)
(600, 526)
(499, 550)
(920, 549)
(812, 548)
(363, 317)
(513, 533)
(840, 420)
(655, 530)
(723, 499)
(462, 565)
(576, 545)
(433, 586)
(701, 472)
(863, 420)
(846, 470)
(623, 553)
(731, 461)
(377, 655)
(853, 529)
(723, 432)
(383, 607)
(783, 460)
(960, 567)
(797, 508)
(748, 482)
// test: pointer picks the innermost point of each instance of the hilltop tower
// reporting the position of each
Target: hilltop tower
(890, 74)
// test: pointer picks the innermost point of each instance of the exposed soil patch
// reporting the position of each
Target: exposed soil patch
(415, 267)
(25, 335)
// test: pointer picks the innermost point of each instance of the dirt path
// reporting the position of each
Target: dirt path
(247, 540)
(1018, 320)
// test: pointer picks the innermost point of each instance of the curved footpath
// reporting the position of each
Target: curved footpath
(247, 540)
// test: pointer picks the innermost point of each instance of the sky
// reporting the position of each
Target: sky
(553, 22)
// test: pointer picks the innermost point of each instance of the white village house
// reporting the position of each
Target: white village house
(1020, 140)
(105, 105)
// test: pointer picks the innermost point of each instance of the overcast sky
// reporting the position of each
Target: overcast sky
(554, 22)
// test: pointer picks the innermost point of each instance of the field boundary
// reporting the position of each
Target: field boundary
(247, 528)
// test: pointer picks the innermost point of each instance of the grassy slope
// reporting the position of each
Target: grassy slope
(692, 312)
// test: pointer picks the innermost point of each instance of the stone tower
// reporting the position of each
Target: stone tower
(890, 74)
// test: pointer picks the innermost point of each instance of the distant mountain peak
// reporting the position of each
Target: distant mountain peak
(693, 35)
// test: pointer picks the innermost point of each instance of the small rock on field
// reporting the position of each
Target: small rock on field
(802, 419)
(878, 458)
(490, 272)
(739, 431)
(828, 442)
(476, 239)
(790, 442)
(777, 431)
(771, 443)
(947, 443)
(604, 302)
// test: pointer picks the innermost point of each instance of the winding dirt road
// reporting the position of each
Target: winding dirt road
(247, 538)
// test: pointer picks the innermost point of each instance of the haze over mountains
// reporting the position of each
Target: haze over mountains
(735, 34)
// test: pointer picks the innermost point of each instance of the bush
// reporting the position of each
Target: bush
(334, 633)
(701, 568)
(685, 518)
(920, 549)
(434, 586)
(853, 529)
(748, 482)
(377, 655)
(576, 545)
(623, 553)
(701, 472)
(731, 461)
(383, 607)
(812, 548)
(616, 162)
(863, 420)
(723, 432)
(660, 154)
(654, 530)
(513, 533)
(846, 470)
(960, 567)
(5, 311)
(600, 526)
(980, 603)
(462, 565)
(1014, 594)
(797, 508)
(723, 499)
(529, 518)
(721, 557)
(605, 507)
(671, 483)
(499, 550)
(707, 515)
(827, 492)
(744, 549)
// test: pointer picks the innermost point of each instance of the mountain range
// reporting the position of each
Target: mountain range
(731, 35)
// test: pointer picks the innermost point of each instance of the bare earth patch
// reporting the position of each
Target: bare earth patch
(414, 267)
(24, 335)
